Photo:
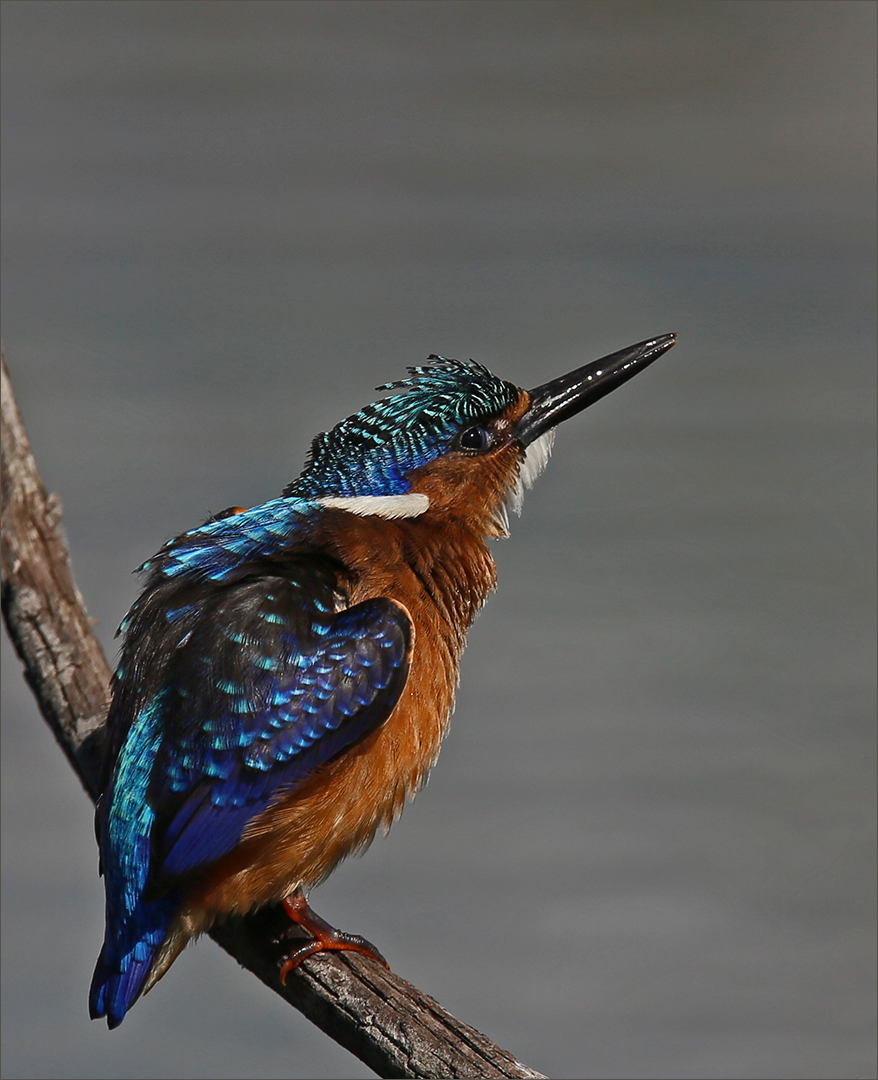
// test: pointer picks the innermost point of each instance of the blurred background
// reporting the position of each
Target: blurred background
(648, 847)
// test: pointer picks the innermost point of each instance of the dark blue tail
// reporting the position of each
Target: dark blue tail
(126, 959)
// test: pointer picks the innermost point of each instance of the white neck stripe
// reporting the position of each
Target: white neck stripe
(385, 506)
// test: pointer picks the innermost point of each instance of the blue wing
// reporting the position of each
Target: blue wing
(241, 674)
(267, 687)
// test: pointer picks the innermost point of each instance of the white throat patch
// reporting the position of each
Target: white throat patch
(385, 506)
(536, 457)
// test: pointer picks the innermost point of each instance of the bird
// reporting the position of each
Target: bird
(287, 672)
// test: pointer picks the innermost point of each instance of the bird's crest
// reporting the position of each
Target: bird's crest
(372, 452)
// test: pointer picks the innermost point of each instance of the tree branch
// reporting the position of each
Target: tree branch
(385, 1021)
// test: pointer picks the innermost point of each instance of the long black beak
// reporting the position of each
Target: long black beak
(569, 394)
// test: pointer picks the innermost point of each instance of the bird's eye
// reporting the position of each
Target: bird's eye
(474, 438)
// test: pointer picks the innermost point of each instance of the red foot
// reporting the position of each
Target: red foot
(325, 937)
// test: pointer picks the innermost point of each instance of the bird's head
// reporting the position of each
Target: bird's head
(456, 439)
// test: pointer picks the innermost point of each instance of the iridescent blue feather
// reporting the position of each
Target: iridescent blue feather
(372, 452)
(244, 672)
(138, 925)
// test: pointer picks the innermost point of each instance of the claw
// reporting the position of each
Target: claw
(325, 938)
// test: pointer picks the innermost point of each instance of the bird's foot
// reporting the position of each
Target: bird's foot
(324, 936)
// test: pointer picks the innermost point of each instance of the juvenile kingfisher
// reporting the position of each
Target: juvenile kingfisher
(288, 671)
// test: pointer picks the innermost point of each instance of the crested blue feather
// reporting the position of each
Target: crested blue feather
(373, 451)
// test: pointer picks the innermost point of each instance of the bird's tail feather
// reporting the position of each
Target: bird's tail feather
(126, 960)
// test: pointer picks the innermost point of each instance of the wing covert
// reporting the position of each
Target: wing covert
(268, 683)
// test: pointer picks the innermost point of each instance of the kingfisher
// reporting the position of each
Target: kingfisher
(288, 671)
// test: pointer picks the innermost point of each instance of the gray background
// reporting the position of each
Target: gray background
(647, 850)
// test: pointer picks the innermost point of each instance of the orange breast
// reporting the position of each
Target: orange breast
(442, 575)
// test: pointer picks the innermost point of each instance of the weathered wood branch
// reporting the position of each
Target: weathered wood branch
(393, 1027)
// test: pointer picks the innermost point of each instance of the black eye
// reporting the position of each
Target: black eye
(474, 438)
